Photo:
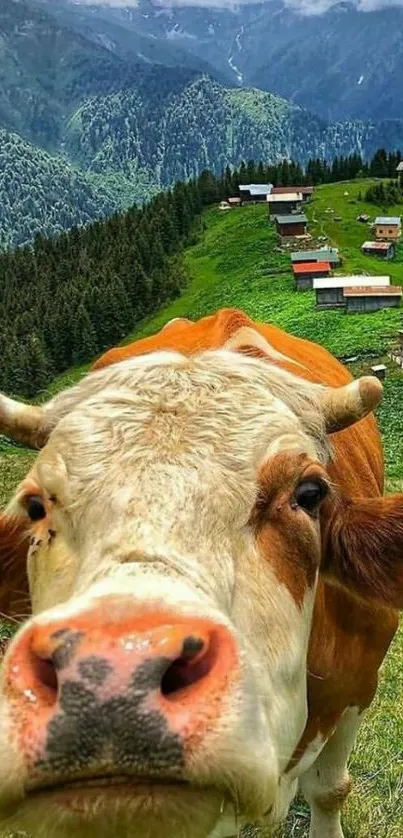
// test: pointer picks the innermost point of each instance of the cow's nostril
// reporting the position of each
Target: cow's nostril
(196, 661)
(45, 676)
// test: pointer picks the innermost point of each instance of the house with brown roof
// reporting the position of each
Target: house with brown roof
(360, 299)
(305, 191)
(285, 204)
(329, 292)
(382, 250)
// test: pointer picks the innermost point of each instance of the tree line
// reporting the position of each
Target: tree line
(385, 194)
(64, 300)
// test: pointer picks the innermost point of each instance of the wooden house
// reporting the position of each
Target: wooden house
(306, 272)
(286, 204)
(372, 299)
(383, 250)
(305, 191)
(388, 228)
(326, 254)
(329, 292)
(234, 202)
(254, 193)
(291, 225)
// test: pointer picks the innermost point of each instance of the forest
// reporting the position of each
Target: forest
(41, 192)
(65, 299)
(385, 194)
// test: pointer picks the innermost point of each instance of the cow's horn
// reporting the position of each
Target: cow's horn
(343, 406)
(22, 422)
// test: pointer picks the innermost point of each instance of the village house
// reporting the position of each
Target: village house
(306, 272)
(305, 191)
(255, 193)
(234, 202)
(291, 225)
(329, 292)
(286, 204)
(325, 254)
(371, 299)
(389, 228)
(383, 250)
(399, 172)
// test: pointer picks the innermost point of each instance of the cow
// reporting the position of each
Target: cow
(214, 576)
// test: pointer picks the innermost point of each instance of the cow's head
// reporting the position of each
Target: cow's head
(176, 514)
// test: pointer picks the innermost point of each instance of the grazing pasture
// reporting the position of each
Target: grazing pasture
(236, 262)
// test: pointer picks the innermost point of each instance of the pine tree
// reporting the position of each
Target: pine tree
(84, 340)
(39, 370)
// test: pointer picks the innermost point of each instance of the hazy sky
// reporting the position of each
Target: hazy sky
(305, 6)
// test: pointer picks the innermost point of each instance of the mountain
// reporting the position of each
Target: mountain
(113, 104)
(346, 64)
(43, 194)
(47, 69)
(343, 64)
(206, 125)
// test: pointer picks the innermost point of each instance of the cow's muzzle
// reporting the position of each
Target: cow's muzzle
(105, 694)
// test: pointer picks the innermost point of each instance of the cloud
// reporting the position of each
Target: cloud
(306, 7)
(318, 7)
(124, 4)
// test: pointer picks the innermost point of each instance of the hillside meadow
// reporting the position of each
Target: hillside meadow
(237, 262)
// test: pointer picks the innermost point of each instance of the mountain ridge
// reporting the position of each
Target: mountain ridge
(315, 60)
(131, 128)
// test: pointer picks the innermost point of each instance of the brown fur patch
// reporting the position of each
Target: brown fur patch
(286, 536)
(14, 544)
(333, 800)
(363, 548)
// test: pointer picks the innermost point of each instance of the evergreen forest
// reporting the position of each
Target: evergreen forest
(65, 299)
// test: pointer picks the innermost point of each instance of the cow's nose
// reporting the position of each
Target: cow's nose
(94, 686)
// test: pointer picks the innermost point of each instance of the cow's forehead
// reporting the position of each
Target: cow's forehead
(169, 408)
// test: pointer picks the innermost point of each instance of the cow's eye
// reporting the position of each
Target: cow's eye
(309, 494)
(35, 508)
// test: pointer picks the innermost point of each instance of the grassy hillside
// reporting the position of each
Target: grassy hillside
(237, 263)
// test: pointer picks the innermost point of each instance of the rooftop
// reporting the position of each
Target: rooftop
(329, 254)
(280, 190)
(352, 282)
(256, 188)
(385, 219)
(400, 167)
(311, 267)
(285, 196)
(376, 246)
(291, 219)
(375, 291)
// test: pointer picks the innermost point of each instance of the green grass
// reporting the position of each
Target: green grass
(237, 263)
(350, 234)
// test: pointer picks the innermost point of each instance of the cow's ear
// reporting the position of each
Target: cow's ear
(14, 545)
(363, 548)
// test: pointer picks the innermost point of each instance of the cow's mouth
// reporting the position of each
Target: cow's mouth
(78, 796)
(113, 782)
